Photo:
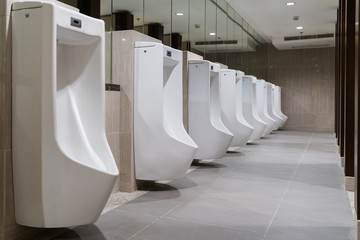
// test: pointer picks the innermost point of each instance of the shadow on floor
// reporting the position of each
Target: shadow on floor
(154, 186)
(89, 232)
(204, 165)
(235, 153)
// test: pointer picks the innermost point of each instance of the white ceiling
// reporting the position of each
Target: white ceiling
(273, 20)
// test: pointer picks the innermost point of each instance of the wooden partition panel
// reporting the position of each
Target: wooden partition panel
(341, 77)
(357, 110)
(337, 79)
(349, 88)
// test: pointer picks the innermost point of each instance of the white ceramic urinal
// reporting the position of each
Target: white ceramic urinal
(246, 129)
(249, 107)
(228, 108)
(64, 170)
(205, 125)
(271, 106)
(262, 109)
(163, 149)
(277, 97)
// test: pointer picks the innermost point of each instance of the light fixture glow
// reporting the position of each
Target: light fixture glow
(212, 34)
(290, 4)
(179, 14)
(299, 28)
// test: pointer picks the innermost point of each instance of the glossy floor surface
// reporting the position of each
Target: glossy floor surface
(289, 185)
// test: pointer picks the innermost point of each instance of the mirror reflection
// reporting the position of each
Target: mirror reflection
(210, 28)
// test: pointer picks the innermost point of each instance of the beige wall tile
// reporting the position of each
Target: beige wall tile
(112, 100)
(2, 195)
(114, 143)
(5, 85)
(5, 7)
(126, 113)
(127, 166)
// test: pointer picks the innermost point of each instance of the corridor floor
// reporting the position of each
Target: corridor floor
(287, 186)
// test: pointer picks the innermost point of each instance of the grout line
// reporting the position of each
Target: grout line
(288, 186)
(111, 205)
(181, 203)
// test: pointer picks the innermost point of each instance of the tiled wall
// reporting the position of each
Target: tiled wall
(112, 99)
(307, 80)
(306, 77)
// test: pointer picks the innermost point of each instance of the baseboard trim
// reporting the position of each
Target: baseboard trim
(350, 184)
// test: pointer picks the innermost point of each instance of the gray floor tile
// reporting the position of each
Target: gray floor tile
(113, 225)
(287, 185)
(319, 174)
(227, 210)
(310, 233)
(170, 229)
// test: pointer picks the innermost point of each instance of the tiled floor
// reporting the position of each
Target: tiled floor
(288, 186)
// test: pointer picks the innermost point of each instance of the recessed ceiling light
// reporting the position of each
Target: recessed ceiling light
(179, 14)
(290, 4)
(299, 28)
(212, 34)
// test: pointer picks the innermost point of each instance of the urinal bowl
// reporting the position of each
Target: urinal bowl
(270, 106)
(63, 168)
(228, 108)
(163, 149)
(249, 108)
(205, 125)
(277, 96)
(263, 109)
(247, 130)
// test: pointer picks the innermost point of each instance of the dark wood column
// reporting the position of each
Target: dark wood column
(89, 7)
(349, 89)
(357, 111)
(336, 126)
(341, 76)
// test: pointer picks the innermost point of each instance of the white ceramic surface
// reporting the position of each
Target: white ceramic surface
(247, 129)
(205, 125)
(64, 170)
(262, 108)
(249, 107)
(271, 106)
(277, 102)
(163, 149)
(228, 108)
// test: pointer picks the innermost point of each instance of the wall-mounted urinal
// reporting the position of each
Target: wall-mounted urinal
(163, 149)
(247, 129)
(271, 106)
(64, 170)
(228, 108)
(205, 125)
(249, 107)
(277, 98)
(262, 107)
